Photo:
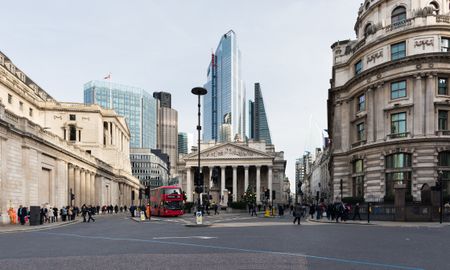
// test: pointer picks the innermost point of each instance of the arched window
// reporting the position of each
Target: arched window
(435, 6)
(398, 172)
(398, 15)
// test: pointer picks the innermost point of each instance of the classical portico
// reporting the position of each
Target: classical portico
(229, 169)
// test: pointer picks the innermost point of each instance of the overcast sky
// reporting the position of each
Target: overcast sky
(165, 45)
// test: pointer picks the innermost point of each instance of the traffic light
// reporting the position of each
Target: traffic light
(72, 196)
(198, 179)
(147, 192)
(198, 189)
(267, 193)
(273, 194)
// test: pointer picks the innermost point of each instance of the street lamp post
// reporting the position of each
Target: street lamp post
(342, 187)
(199, 91)
(441, 189)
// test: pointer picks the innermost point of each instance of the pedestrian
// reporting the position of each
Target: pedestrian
(356, 212)
(22, 213)
(55, 213)
(216, 209)
(91, 212)
(297, 213)
(63, 213)
(84, 212)
(312, 210)
(116, 209)
(50, 215)
(254, 210)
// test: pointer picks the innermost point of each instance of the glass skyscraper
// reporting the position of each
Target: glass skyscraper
(259, 127)
(224, 105)
(135, 104)
(182, 143)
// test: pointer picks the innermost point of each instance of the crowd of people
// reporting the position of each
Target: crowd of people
(51, 214)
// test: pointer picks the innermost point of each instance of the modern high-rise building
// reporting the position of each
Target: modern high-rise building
(224, 105)
(150, 166)
(167, 128)
(135, 104)
(182, 143)
(259, 127)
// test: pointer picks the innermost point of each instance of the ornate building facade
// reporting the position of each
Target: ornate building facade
(236, 166)
(50, 150)
(389, 101)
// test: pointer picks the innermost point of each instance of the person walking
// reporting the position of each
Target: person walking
(312, 210)
(22, 213)
(356, 212)
(298, 213)
(84, 212)
(216, 209)
(91, 212)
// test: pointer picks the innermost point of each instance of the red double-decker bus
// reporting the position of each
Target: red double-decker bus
(166, 201)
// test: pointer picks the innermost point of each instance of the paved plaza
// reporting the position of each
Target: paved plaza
(233, 241)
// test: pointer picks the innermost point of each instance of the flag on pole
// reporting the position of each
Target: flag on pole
(107, 77)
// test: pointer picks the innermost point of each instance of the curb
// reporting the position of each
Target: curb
(29, 228)
(342, 222)
(392, 224)
(198, 225)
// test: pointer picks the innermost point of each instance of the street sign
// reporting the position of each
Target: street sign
(199, 218)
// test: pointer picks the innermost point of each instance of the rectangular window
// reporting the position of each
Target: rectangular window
(361, 134)
(445, 44)
(442, 86)
(396, 178)
(9, 99)
(358, 67)
(72, 117)
(31, 112)
(358, 166)
(398, 51)
(21, 105)
(72, 133)
(398, 123)
(398, 89)
(443, 120)
(361, 103)
(358, 186)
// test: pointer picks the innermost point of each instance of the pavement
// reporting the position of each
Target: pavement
(384, 223)
(234, 241)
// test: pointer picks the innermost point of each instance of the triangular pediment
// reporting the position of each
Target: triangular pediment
(230, 151)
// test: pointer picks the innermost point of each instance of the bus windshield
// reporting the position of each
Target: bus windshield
(177, 205)
(169, 191)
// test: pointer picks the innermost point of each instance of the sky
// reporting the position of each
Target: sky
(165, 45)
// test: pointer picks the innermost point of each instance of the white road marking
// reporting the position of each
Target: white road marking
(185, 237)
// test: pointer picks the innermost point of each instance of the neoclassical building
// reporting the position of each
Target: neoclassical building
(236, 166)
(50, 150)
(389, 102)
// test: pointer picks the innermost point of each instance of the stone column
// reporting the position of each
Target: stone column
(269, 183)
(83, 188)
(258, 184)
(418, 128)
(71, 182)
(77, 187)
(88, 188)
(222, 180)
(211, 183)
(430, 116)
(245, 178)
(235, 193)
(189, 185)
(370, 123)
(92, 189)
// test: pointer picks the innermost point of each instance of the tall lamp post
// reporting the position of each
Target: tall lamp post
(199, 91)
(441, 201)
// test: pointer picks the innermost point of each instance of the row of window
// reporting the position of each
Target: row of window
(398, 171)
(10, 101)
(398, 51)
(399, 125)
(399, 90)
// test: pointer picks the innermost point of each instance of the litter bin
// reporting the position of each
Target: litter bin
(35, 215)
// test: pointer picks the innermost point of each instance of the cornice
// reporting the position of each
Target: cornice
(418, 60)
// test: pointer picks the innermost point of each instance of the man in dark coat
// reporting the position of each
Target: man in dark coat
(297, 213)
(22, 213)
(356, 212)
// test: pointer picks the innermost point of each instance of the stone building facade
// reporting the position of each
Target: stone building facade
(49, 149)
(389, 101)
(237, 166)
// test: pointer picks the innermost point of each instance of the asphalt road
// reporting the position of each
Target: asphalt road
(234, 242)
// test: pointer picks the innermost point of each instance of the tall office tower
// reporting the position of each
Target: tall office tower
(167, 128)
(251, 119)
(259, 127)
(182, 143)
(135, 104)
(224, 105)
